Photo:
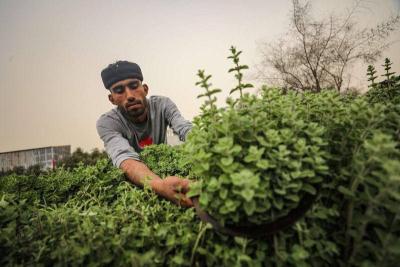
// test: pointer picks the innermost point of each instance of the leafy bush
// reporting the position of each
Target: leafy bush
(386, 91)
(258, 158)
(81, 157)
(355, 219)
(165, 161)
(90, 215)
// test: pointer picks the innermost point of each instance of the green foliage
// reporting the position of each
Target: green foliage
(209, 108)
(165, 160)
(91, 216)
(388, 75)
(386, 91)
(375, 201)
(237, 69)
(371, 75)
(258, 160)
(261, 156)
(204, 83)
(80, 156)
(34, 170)
(253, 161)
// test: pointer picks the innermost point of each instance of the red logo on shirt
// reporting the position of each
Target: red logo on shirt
(146, 142)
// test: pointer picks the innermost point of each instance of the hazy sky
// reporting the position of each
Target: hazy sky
(52, 52)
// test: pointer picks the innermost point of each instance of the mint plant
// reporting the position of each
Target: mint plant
(237, 70)
(371, 75)
(252, 162)
(256, 161)
(386, 91)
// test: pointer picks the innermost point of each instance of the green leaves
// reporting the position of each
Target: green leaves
(253, 162)
(238, 72)
(249, 207)
(346, 192)
(309, 189)
(254, 154)
(270, 150)
(209, 107)
(224, 145)
(247, 194)
(386, 91)
(265, 149)
(227, 161)
(299, 253)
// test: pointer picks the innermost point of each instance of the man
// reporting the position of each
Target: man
(138, 121)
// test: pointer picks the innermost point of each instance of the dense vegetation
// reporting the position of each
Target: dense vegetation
(77, 157)
(253, 161)
(81, 157)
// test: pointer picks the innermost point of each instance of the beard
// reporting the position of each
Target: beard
(133, 111)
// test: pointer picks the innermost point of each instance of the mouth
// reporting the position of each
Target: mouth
(134, 105)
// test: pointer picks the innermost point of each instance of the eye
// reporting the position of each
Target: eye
(133, 85)
(119, 89)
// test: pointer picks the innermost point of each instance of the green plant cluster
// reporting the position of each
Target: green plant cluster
(81, 157)
(344, 148)
(387, 90)
(249, 161)
(258, 159)
(92, 216)
(165, 161)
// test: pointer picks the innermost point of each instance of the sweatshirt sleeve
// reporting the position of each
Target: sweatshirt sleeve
(116, 146)
(178, 124)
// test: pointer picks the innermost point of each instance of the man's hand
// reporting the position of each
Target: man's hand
(174, 189)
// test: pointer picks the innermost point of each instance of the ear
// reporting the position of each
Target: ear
(146, 89)
(111, 98)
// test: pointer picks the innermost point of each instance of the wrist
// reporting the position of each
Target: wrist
(156, 184)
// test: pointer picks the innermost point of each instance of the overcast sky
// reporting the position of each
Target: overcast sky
(52, 52)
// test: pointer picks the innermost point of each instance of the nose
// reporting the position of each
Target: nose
(130, 94)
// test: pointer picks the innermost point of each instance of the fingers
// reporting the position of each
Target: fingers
(179, 185)
(184, 186)
(176, 189)
(183, 201)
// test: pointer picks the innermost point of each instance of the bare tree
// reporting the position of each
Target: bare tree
(317, 54)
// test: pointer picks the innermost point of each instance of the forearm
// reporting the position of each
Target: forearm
(139, 174)
(172, 188)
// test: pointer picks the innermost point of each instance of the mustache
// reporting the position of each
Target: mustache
(135, 102)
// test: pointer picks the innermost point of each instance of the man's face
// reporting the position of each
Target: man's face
(130, 95)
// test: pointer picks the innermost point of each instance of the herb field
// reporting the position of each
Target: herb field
(251, 162)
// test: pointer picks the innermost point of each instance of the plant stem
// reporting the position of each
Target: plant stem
(203, 229)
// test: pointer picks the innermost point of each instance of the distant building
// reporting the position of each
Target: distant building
(46, 157)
